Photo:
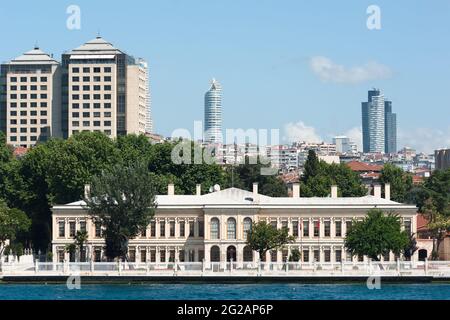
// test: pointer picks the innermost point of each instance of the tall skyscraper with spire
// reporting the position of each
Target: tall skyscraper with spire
(213, 113)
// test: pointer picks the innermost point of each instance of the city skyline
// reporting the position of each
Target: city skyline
(307, 84)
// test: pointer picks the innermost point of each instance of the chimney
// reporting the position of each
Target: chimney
(334, 193)
(387, 191)
(171, 189)
(377, 191)
(296, 190)
(198, 189)
(255, 189)
(87, 190)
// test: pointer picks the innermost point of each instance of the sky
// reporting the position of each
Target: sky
(302, 67)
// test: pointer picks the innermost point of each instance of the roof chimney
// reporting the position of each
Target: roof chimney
(198, 189)
(255, 189)
(334, 191)
(87, 190)
(296, 190)
(171, 189)
(387, 191)
(377, 191)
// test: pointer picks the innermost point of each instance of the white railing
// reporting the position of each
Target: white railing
(395, 268)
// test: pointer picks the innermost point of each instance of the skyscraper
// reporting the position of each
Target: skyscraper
(148, 117)
(390, 124)
(104, 90)
(30, 100)
(213, 113)
(373, 122)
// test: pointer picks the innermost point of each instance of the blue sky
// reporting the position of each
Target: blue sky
(270, 58)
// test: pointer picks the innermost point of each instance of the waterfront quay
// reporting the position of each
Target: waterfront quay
(398, 271)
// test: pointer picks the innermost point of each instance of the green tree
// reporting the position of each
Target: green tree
(254, 170)
(376, 235)
(295, 255)
(122, 200)
(400, 181)
(81, 238)
(12, 222)
(263, 237)
(319, 176)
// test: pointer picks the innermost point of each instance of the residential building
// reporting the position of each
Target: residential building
(390, 128)
(373, 122)
(212, 227)
(30, 101)
(342, 144)
(104, 90)
(213, 113)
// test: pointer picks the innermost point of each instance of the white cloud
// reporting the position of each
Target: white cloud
(329, 71)
(355, 135)
(424, 139)
(300, 132)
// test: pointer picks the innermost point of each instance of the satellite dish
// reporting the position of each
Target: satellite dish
(216, 187)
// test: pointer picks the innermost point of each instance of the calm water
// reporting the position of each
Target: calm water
(225, 291)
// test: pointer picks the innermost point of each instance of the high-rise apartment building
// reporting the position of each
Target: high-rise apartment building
(104, 90)
(373, 122)
(390, 125)
(343, 144)
(149, 118)
(213, 113)
(30, 100)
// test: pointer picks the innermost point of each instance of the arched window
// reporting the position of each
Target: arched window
(247, 226)
(231, 228)
(215, 254)
(215, 234)
(248, 254)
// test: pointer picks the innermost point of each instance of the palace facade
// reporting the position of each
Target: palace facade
(212, 227)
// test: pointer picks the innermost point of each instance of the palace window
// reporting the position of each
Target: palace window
(386, 257)
(172, 229)
(143, 255)
(348, 226)
(162, 228)
(338, 229)
(97, 255)
(248, 254)
(72, 229)
(182, 229)
(83, 226)
(317, 255)
(191, 229)
(231, 228)
(98, 230)
(162, 255)
(201, 229)
(284, 224)
(172, 255)
(247, 227)
(153, 229)
(348, 256)
(305, 256)
(61, 255)
(273, 255)
(306, 228)
(132, 255)
(201, 255)
(152, 255)
(407, 225)
(327, 255)
(214, 229)
(316, 228)
(62, 229)
(295, 228)
(327, 228)
(338, 255)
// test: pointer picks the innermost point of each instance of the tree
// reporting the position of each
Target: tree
(81, 238)
(400, 181)
(318, 177)
(252, 170)
(263, 237)
(376, 235)
(295, 255)
(12, 222)
(122, 200)
(411, 247)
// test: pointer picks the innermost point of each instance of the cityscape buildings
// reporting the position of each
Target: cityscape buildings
(442, 158)
(390, 128)
(213, 113)
(97, 87)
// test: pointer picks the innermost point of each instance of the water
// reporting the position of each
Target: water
(225, 291)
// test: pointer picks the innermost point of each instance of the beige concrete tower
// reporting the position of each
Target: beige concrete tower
(30, 106)
(104, 91)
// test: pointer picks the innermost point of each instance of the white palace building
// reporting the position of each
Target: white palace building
(212, 227)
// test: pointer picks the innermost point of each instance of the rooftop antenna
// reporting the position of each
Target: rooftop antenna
(36, 45)
(98, 34)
